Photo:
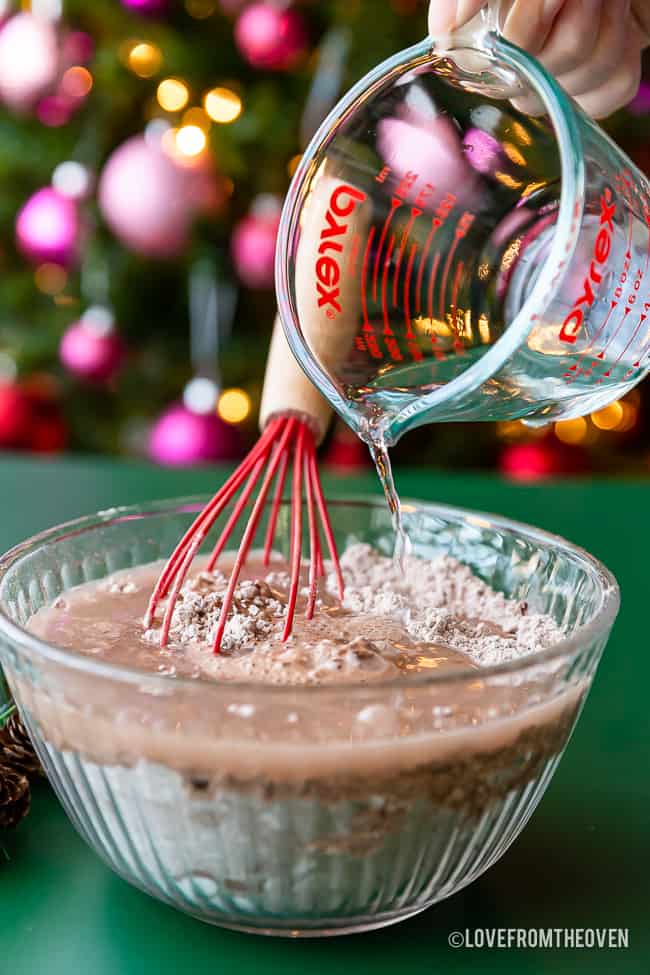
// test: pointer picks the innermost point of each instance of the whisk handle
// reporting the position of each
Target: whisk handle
(288, 390)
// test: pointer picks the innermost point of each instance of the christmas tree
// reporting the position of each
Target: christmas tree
(145, 148)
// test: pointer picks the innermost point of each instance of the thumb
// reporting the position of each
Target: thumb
(447, 15)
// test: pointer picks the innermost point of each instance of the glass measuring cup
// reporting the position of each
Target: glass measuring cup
(444, 256)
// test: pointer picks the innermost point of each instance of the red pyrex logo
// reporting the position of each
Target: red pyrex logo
(603, 245)
(343, 201)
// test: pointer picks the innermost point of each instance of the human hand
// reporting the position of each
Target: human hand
(593, 47)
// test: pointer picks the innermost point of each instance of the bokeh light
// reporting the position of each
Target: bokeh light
(196, 116)
(572, 432)
(609, 417)
(172, 94)
(294, 162)
(190, 140)
(200, 9)
(76, 82)
(145, 59)
(234, 405)
(222, 105)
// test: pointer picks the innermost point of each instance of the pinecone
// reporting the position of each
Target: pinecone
(16, 749)
(14, 797)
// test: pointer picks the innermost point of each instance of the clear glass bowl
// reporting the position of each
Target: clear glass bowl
(314, 829)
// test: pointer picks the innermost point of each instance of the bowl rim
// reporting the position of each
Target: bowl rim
(598, 627)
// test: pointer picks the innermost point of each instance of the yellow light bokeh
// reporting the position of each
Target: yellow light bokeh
(172, 94)
(222, 105)
(51, 279)
(76, 82)
(507, 180)
(609, 417)
(190, 140)
(572, 432)
(145, 59)
(293, 164)
(234, 405)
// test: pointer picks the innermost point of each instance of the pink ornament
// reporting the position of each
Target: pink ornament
(181, 438)
(269, 37)
(253, 250)
(29, 59)
(148, 200)
(48, 228)
(540, 461)
(431, 148)
(92, 350)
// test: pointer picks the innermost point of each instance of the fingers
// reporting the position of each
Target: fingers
(574, 34)
(602, 58)
(620, 88)
(447, 15)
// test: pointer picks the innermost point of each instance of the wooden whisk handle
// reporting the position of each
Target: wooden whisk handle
(288, 390)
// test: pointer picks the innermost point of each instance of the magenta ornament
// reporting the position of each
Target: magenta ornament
(48, 228)
(91, 351)
(182, 438)
(270, 38)
(253, 250)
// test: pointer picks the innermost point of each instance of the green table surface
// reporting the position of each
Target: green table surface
(583, 861)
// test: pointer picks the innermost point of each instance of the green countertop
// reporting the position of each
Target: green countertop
(583, 861)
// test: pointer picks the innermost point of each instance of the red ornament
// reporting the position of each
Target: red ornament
(540, 461)
(91, 349)
(271, 38)
(48, 431)
(346, 452)
(15, 415)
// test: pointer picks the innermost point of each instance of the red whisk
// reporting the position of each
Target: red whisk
(287, 437)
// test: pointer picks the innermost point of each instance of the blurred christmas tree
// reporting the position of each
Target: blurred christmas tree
(145, 147)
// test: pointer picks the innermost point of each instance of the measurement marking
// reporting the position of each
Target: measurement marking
(367, 327)
(415, 213)
(634, 335)
(435, 223)
(445, 277)
(575, 369)
(407, 297)
(601, 355)
(384, 303)
(396, 205)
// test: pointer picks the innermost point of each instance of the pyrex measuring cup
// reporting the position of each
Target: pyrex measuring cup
(443, 255)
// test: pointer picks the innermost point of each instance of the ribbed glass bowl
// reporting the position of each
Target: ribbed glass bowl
(314, 829)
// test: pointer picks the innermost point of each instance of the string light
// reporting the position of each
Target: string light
(190, 140)
(507, 180)
(76, 82)
(521, 133)
(144, 59)
(172, 94)
(234, 405)
(222, 105)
